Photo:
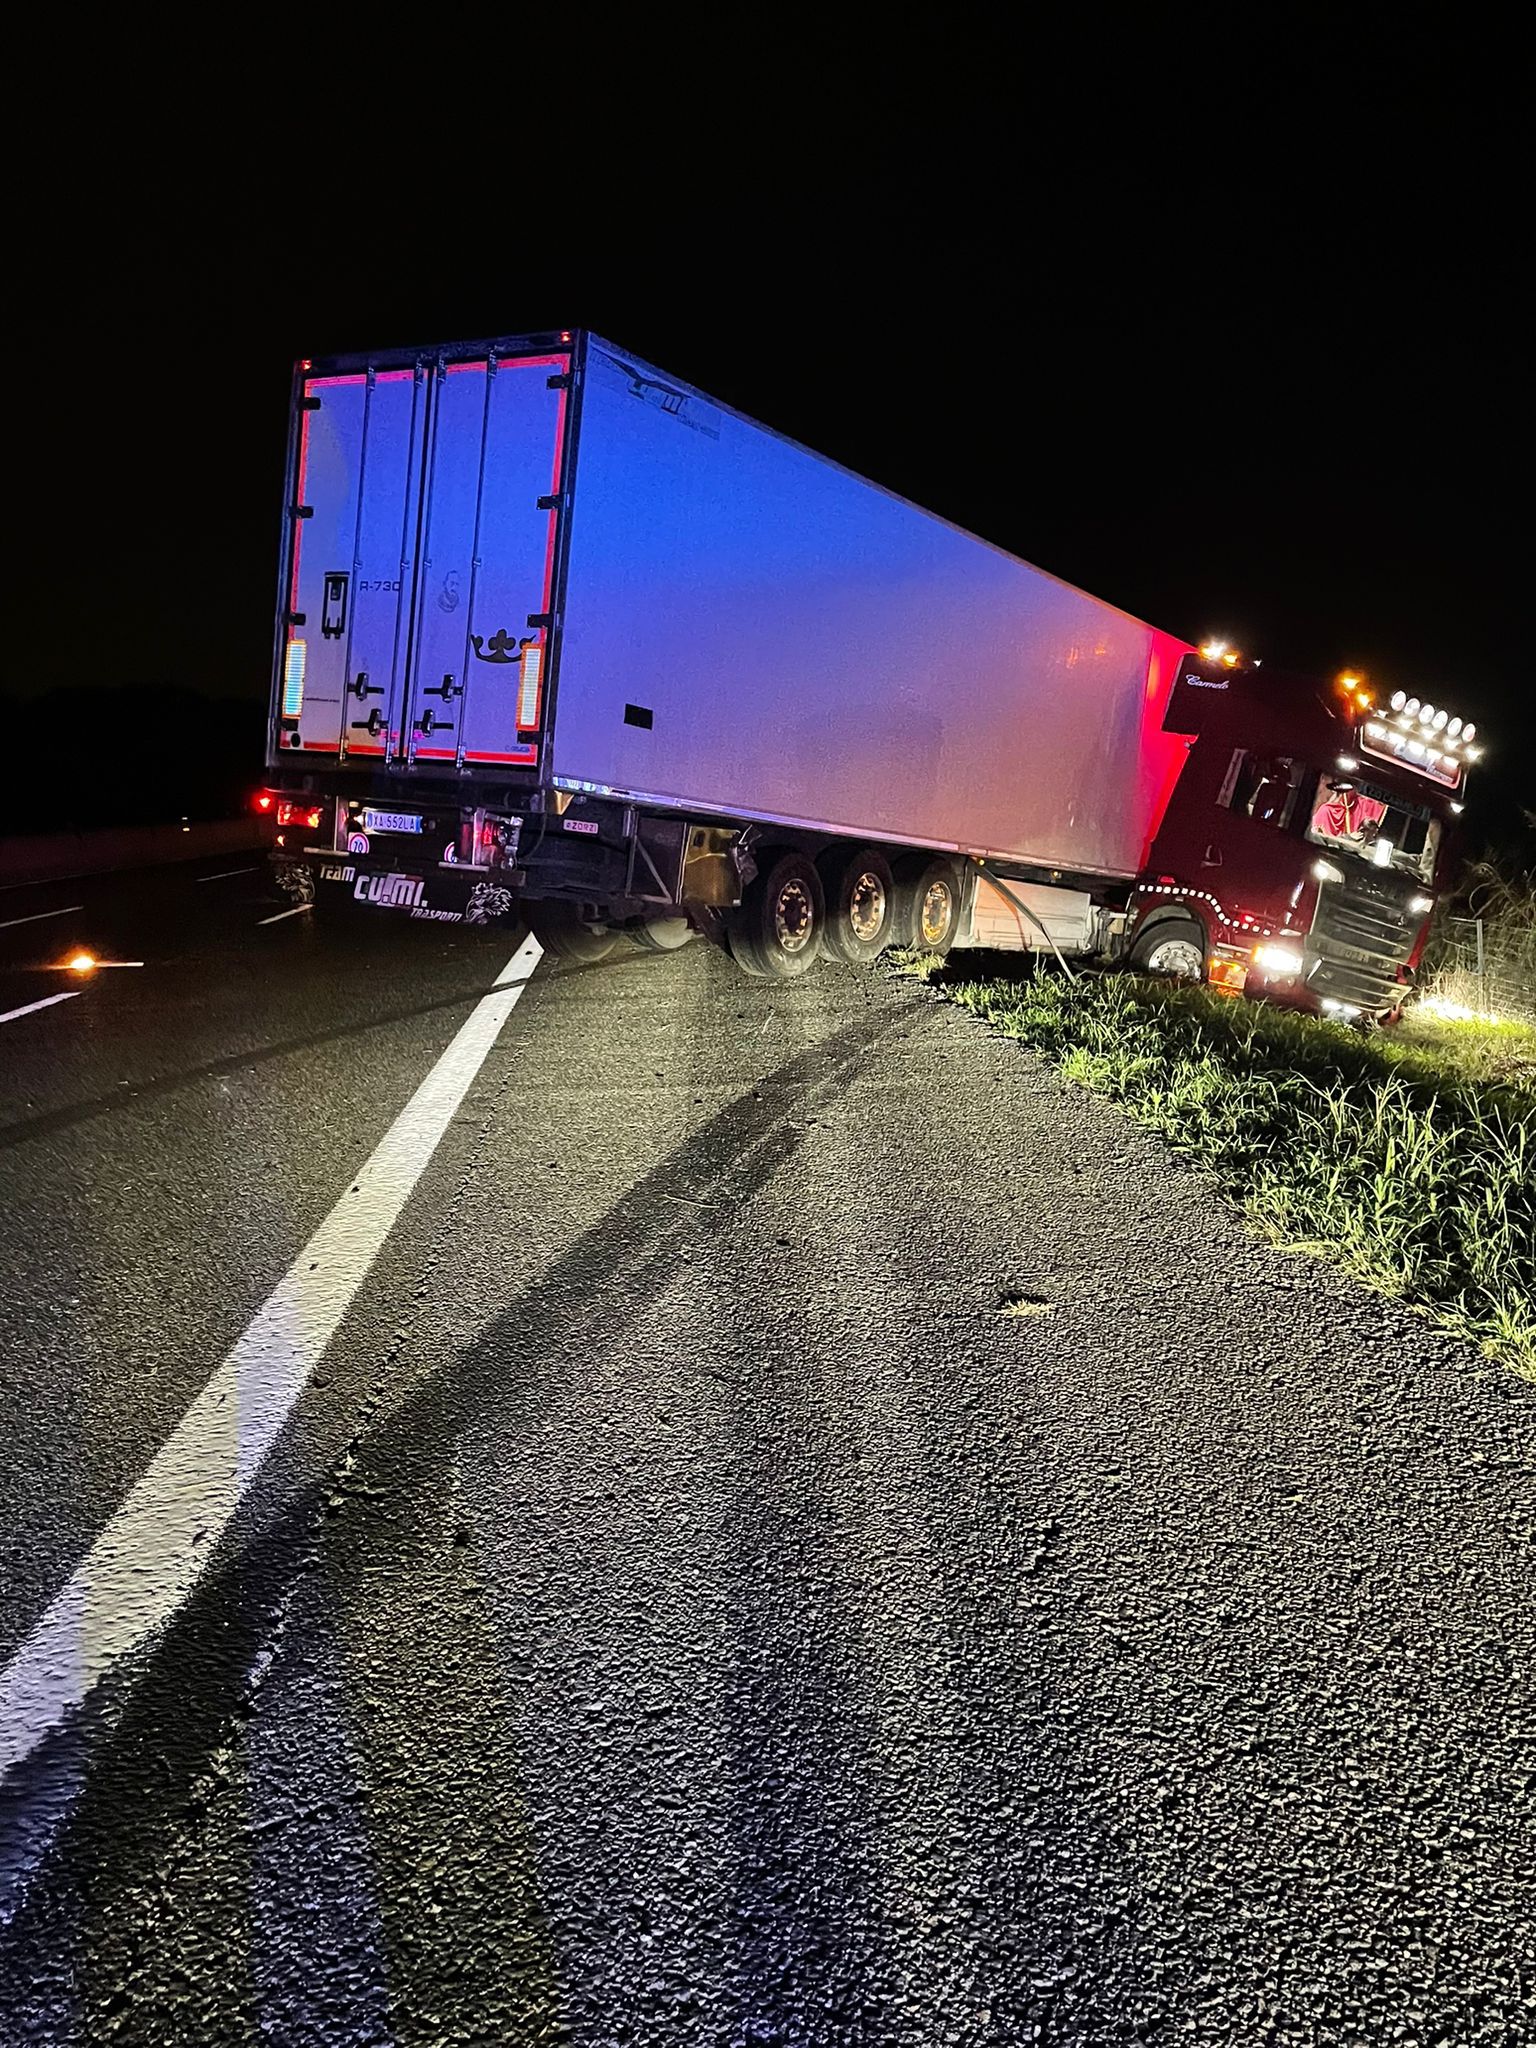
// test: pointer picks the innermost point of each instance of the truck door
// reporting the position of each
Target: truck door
(490, 526)
(357, 483)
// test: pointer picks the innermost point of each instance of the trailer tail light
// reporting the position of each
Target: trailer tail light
(290, 813)
(263, 800)
(528, 687)
(293, 679)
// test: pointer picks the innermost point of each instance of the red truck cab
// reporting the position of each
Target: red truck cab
(1304, 844)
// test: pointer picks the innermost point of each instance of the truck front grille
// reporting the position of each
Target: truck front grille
(1356, 945)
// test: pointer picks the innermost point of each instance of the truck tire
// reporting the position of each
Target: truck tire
(861, 904)
(560, 929)
(660, 934)
(1173, 948)
(777, 931)
(927, 904)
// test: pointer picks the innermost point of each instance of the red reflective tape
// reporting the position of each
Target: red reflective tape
(527, 754)
(533, 362)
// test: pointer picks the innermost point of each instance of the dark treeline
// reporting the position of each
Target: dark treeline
(93, 754)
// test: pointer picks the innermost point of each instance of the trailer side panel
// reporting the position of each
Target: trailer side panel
(752, 630)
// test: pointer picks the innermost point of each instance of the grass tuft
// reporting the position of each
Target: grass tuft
(1408, 1158)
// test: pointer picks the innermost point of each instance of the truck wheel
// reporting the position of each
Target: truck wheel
(1174, 949)
(927, 905)
(660, 934)
(560, 929)
(777, 931)
(861, 905)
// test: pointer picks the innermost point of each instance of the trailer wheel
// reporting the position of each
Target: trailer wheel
(660, 934)
(778, 929)
(560, 929)
(1174, 948)
(927, 905)
(861, 904)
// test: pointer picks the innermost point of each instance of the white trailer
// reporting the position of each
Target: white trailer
(557, 630)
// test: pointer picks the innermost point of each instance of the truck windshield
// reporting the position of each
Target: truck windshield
(1370, 822)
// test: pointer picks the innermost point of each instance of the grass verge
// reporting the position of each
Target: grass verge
(1409, 1159)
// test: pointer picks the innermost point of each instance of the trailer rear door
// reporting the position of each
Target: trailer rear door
(356, 488)
(488, 543)
(424, 528)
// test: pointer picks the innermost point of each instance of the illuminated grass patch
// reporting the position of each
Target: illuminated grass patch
(1409, 1159)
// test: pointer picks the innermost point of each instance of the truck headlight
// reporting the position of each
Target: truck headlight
(1325, 871)
(1281, 961)
(1420, 906)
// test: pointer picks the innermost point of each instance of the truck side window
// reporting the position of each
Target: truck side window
(1261, 786)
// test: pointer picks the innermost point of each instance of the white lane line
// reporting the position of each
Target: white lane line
(47, 1003)
(38, 916)
(147, 1559)
(224, 874)
(297, 911)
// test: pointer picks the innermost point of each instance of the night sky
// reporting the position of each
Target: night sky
(1251, 366)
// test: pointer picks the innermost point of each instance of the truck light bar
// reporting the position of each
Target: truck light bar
(1418, 747)
(528, 687)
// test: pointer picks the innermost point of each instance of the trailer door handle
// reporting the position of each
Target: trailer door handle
(333, 619)
(428, 724)
(373, 723)
(363, 688)
(447, 690)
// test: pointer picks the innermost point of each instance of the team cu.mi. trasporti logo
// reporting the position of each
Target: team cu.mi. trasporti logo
(391, 892)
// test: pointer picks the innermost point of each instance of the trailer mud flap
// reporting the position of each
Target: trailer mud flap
(447, 898)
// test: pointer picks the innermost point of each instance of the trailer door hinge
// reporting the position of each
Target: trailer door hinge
(555, 502)
(297, 619)
(302, 511)
(544, 619)
(308, 404)
(561, 382)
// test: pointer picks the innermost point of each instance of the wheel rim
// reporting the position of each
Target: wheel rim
(866, 907)
(1181, 959)
(794, 917)
(937, 911)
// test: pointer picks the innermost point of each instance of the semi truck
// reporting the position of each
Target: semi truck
(562, 640)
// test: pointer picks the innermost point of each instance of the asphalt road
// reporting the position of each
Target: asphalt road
(681, 1606)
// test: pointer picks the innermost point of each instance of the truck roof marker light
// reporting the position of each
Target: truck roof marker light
(1469, 731)
(293, 679)
(1399, 699)
(1411, 708)
(1453, 728)
(1442, 720)
(1213, 650)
